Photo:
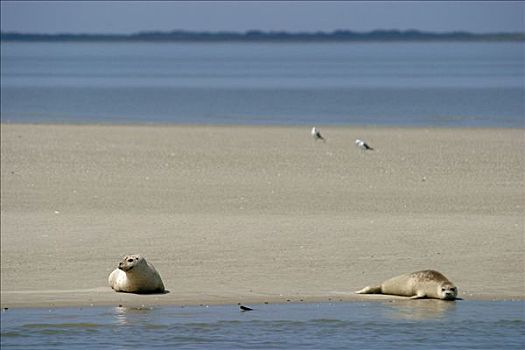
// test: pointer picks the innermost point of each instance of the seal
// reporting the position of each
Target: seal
(135, 275)
(416, 285)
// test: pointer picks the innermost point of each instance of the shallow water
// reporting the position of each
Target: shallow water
(423, 324)
(406, 84)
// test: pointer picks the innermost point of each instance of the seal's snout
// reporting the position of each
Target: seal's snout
(124, 267)
(449, 295)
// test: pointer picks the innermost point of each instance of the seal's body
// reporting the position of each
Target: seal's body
(135, 275)
(420, 284)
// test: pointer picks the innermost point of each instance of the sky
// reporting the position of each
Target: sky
(294, 16)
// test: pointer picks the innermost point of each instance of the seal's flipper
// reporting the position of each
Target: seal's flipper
(370, 290)
(419, 295)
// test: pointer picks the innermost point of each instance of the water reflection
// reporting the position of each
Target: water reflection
(128, 315)
(424, 309)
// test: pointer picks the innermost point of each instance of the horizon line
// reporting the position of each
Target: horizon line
(260, 35)
(292, 32)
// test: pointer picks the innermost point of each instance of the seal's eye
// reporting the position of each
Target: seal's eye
(130, 260)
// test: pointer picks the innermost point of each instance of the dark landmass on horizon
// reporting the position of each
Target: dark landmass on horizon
(262, 36)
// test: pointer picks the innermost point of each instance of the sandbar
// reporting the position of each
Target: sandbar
(253, 214)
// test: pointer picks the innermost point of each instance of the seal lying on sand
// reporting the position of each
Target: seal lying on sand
(420, 284)
(135, 275)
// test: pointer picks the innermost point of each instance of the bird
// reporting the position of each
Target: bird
(245, 308)
(363, 146)
(317, 135)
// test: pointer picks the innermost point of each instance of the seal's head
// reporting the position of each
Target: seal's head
(129, 262)
(447, 291)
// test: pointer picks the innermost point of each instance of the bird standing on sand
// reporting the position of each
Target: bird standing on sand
(317, 135)
(363, 146)
(245, 308)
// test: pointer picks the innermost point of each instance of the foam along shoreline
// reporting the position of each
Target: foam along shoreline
(257, 214)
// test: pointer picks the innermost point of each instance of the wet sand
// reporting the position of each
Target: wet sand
(257, 214)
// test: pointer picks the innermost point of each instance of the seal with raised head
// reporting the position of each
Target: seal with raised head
(135, 275)
(416, 285)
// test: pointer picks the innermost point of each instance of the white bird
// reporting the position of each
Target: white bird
(363, 146)
(317, 135)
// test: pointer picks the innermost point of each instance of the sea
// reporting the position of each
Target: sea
(443, 84)
(438, 84)
(414, 324)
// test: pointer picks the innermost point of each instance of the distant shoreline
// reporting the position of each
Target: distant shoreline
(261, 36)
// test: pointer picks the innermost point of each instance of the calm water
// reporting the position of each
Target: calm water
(440, 84)
(424, 324)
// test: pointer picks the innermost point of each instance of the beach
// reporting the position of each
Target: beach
(254, 214)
